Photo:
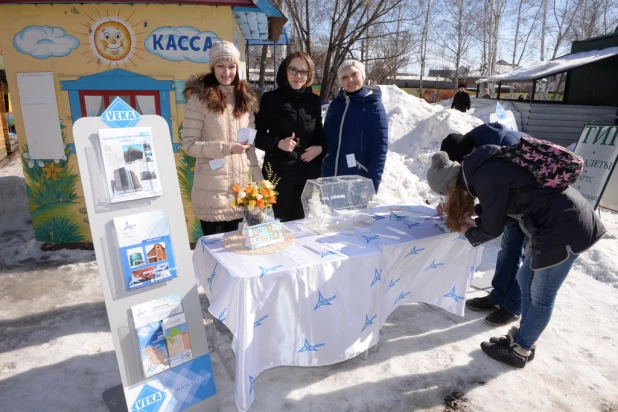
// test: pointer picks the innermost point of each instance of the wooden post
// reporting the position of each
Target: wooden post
(478, 85)
(499, 90)
(533, 90)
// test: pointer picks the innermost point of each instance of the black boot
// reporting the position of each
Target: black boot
(500, 317)
(508, 339)
(480, 303)
(513, 355)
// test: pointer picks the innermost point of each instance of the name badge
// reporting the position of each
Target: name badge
(351, 160)
(217, 164)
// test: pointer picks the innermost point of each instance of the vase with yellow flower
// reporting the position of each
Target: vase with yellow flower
(256, 198)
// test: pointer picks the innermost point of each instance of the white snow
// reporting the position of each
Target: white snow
(56, 352)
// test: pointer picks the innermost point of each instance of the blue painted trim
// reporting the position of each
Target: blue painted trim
(176, 147)
(166, 109)
(75, 105)
(263, 6)
(247, 9)
(117, 79)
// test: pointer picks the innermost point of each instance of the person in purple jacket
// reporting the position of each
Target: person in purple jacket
(504, 301)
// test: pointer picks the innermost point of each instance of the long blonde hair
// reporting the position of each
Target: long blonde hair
(459, 205)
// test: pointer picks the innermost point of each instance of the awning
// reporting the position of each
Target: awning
(263, 21)
(547, 68)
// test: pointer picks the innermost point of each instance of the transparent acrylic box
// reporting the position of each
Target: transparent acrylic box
(338, 203)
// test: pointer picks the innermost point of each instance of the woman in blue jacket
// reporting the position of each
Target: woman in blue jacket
(356, 128)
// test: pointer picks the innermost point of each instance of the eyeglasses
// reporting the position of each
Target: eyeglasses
(294, 71)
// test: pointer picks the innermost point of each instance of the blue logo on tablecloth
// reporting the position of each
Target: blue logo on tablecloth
(368, 322)
(401, 296)
(308, 347)
(205, 243)
(370, 238)
(149, 400)
(471, 268)
(267, 270)
(324, 302)
(119, 114)
(377, 276)
(377, 217)
(212, 277)
(391, 284)
(410, 225)
(395, 216)
(328, 252)
(251, 384)
(433, 265)
(259, 321)
(221, 316)
(414, 251)
(454, 295)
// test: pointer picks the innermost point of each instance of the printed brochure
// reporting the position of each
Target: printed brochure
(130, 164)
(162, 334)
(145, 248)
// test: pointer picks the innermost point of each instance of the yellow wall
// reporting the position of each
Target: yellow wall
(82, 58)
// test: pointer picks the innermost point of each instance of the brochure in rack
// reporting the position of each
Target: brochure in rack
(145, 248)
(162, 334)
(130, 164)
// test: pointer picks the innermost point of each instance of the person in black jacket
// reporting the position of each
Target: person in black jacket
(461, 100)
(559, 223)
(289, 130)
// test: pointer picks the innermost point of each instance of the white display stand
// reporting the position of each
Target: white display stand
(118, 300)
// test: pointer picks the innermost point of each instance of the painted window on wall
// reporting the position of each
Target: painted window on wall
(94, 102)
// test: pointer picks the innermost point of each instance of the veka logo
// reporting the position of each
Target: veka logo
(433, 265)
(308, 347)
(205, 243)
(370, 238)
(368, 322)
(251, 384)
(401, 296)
(328, 252)
(127, 226)
(454, 295)
(259, 321)
(324, 302)
(391, 284)
(376, 277)
(212, 277)
(149, 400)
(120, 114)
(414, 251)
(267, 270)
(221, 316)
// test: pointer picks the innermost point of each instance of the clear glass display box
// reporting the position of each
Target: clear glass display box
(338, 203)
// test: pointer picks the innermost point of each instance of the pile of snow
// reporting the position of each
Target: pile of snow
(415, 130)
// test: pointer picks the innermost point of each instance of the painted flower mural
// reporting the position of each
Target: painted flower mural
(57, 214)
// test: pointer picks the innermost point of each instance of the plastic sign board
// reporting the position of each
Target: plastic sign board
(119, 114)
(505, 117)
(264, 234)
(598, 145)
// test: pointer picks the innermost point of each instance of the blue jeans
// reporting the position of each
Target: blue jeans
(506, 292)
(539, 289)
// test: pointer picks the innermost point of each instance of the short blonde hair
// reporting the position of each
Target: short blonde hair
(307, 59)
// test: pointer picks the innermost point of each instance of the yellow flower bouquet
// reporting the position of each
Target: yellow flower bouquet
(255, 198)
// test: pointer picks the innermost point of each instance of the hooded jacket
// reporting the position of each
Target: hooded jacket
(284, 111)
(356, 124)
(493, 133)
(556, 222)
(207, 135)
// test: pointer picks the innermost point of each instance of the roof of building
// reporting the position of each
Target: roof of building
(561, 64)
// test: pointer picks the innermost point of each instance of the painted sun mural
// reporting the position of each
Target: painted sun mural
(112, 39)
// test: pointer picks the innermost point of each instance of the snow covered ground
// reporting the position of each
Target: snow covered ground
(56, 351)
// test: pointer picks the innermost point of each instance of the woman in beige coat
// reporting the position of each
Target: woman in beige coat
(218, 104)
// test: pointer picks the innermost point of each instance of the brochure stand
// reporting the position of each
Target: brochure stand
(190, 385)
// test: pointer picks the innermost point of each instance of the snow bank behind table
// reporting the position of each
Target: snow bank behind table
(415, 130)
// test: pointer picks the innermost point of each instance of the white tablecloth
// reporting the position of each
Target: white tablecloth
(299, 307)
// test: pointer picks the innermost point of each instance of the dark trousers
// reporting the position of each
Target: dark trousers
(288, 206)
(212, 228)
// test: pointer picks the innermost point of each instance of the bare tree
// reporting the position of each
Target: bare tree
(596, 17)
(426, 9)
(456, 33)
(305, 14)
(527, 16)
(349, 23)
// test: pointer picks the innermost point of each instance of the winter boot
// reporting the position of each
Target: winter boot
(508, 339)
(500, 317)
(480, 303)
(513, 354)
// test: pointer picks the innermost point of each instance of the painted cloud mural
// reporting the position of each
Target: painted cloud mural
(42, 42)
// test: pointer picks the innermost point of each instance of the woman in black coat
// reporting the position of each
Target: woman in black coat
(559, 223)
(289, 130)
